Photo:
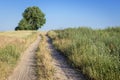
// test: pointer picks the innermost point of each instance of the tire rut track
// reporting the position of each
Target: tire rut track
(25, 70)
(62, 70)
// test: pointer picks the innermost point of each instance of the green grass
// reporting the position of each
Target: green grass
(95, 52)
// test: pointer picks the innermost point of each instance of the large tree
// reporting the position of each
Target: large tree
(33, 19)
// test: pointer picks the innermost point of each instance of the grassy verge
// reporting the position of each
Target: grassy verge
(11, 46)
(44, 59)
(95, 52)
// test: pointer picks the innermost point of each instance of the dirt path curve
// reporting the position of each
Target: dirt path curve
(26, 67)
(62, 70)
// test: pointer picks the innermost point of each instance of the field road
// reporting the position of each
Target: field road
(25, 70)
(62, 70)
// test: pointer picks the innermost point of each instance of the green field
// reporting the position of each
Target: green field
(94, 52)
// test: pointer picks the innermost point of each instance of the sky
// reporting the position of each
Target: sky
(60, 14)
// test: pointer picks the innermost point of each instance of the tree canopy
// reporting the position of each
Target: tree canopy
(33, 19)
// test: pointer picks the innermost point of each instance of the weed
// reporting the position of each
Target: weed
(44, 59)
(95, 52)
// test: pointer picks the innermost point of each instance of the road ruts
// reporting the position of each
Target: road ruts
(25, 70)
(62, 70)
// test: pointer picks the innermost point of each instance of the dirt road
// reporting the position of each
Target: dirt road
(26, 67)
(62, 70)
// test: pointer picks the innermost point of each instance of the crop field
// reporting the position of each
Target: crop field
(96, 53)
(12, 44)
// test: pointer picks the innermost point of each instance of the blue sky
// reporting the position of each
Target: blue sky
(61, 14)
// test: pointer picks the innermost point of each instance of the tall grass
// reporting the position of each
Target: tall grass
(45, 69)
(11, 46)
(95, 52)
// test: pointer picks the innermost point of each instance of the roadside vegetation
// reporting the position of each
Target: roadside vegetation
(12, 45)
(45, 68)
(94, 52)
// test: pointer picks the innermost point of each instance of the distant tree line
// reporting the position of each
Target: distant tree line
(33, 19)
